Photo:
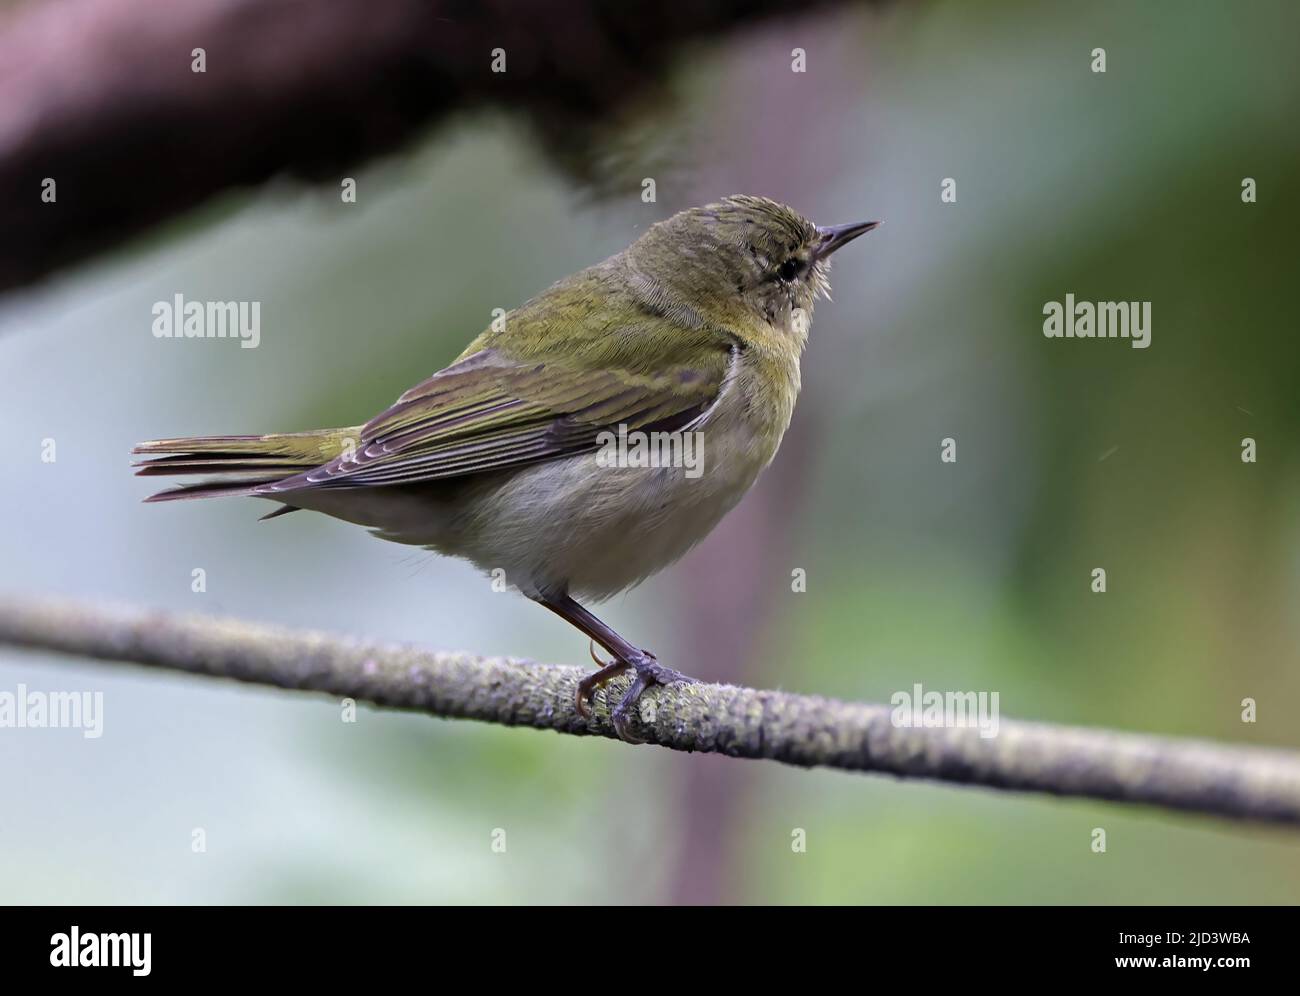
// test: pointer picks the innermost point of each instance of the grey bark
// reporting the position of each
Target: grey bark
(1239, 782)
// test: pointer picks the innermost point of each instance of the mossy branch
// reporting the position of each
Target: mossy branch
(1239, 782)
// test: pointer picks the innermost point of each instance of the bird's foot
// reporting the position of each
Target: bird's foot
(648, 672)
(588, 685)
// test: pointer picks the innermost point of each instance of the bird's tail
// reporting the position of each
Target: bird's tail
(236, 465)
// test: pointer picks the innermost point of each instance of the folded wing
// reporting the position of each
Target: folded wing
(489, 412)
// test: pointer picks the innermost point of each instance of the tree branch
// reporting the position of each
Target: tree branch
(1239, 782)
(101, 95)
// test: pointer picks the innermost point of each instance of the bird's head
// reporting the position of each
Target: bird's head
(744, 260)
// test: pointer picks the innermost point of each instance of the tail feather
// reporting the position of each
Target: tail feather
(237, 465)
(206, 489)
(169, 466)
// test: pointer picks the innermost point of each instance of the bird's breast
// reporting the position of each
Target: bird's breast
(599, 522)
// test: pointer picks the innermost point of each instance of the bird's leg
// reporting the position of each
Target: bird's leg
(648, 669)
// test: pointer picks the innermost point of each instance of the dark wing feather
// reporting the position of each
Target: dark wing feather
(488, 412)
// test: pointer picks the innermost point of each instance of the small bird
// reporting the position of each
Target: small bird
(504, 457)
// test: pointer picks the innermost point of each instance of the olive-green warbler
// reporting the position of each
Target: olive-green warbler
(504, 457)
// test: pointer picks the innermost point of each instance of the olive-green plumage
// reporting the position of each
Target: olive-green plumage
(698, 325)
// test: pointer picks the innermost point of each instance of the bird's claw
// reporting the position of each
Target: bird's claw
(648, 672)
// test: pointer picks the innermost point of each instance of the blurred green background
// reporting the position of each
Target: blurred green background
(1071, 455)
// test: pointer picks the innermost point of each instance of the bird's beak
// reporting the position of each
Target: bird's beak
(834, 236)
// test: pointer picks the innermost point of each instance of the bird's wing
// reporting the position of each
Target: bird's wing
(488, 412)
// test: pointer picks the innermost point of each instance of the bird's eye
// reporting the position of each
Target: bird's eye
(790, 269)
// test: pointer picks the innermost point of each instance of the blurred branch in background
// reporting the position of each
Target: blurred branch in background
(102, 96)
(1238, 782)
